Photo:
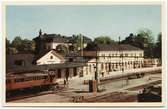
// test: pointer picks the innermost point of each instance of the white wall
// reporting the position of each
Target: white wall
(46, 59)
(53, 45)
(132, 57)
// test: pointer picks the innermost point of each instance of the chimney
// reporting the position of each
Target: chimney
(40, 32)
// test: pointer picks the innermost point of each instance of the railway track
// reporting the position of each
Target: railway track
(27, 96)
(144, 85)
(120, 96)
(33, 94)
(115, 97)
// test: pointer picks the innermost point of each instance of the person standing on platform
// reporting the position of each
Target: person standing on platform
(64, 82)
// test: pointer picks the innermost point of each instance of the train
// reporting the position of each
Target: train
(24, 81)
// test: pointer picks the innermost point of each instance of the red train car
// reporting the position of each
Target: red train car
(28, 80)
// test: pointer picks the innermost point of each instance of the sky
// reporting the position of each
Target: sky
(89, 20)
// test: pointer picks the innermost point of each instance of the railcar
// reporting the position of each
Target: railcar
(16, 82)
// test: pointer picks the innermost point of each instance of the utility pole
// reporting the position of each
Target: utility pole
(96, 72)
(81, 49)
(122, 63)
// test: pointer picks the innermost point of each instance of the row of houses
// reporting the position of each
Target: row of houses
(105, 58)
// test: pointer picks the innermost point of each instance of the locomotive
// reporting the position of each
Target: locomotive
(38, 80)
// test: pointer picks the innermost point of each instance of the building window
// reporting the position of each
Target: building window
(89, 68)
(102, 66)
(126, 54)
(51, 57)
(59, 73)
(86, 70)
(103, 55)
(112, 55)
(131, 54)
(71, 59)
(80, 72)
(75, 71)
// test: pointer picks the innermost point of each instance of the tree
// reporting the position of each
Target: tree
(7, 43)
(129, 40)
(27, 45)
(7, 46)
(103, 40)
(158, 47)
(145, 40)
(78, 42)
(17, 42)
(62, 49)
(146, 34)
(22, 45)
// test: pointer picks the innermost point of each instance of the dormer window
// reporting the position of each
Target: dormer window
(51, 57)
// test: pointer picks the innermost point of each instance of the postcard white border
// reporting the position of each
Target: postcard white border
(92, 2)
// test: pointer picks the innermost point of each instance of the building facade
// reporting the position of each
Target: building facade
(51, 57)
(111, 58)
(45, 42)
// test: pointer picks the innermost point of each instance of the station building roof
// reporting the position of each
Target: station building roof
(111, 47)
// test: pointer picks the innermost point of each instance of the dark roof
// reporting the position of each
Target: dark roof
(72, 54)
(13, 57)
(11, 60)
(34, 68)
(129, 47)
(54, 38)
(110, 47)
(85, 39)
(60, 38)
(63, 65)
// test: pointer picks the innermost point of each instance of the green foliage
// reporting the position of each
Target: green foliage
(17, 42)
(78, 41)
(19, 45)
(158, 47)
(103, 40)
(62, 49)
(146, 34)
(26, 45)
(7, 46)
(7, 43)
(143, 40)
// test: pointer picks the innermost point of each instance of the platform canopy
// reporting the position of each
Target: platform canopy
(36, 68)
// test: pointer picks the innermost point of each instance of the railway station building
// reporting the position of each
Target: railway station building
(108, 58)
(50, 57)
(24, 63)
